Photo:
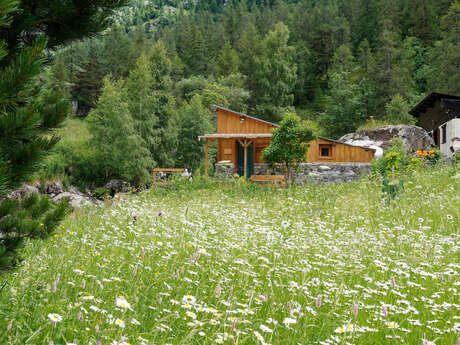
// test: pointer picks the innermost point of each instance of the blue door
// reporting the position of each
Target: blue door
(250, 158)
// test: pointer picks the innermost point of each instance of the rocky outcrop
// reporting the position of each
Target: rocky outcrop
(21, 192)
(117, 186)
(75, 200)
(414, 138)
(55, 190)
(54, 187)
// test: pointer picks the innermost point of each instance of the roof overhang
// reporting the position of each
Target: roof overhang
(245, 115)
(235, 136)
(429, 101)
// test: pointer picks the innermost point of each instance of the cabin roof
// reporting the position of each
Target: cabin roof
(244, 115)
(449, 102)
(235, 135)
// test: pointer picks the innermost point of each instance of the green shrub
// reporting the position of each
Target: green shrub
(73, 160)
(101, 193)
(396, 161)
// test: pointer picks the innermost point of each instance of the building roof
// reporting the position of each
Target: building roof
(235, 135)
(245, 115)
(449, 102)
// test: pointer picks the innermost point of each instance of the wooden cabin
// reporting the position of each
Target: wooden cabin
(439, 115)
(242, 138)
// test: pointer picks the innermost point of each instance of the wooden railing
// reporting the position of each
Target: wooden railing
(165, 171)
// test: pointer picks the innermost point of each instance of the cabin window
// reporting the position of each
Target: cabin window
(444, 134)
(325, 151)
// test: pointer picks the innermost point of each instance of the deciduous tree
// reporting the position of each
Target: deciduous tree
(289, 144)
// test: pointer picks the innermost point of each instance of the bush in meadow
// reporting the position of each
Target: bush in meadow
(289, 144)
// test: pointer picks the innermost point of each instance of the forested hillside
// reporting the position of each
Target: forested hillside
(339, 63)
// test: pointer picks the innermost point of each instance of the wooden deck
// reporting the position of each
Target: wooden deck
(269, 179)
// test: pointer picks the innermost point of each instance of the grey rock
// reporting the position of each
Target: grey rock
(309, 172)
(117, 186)
(75, 200)
(414, 138)
(54, 187)
(21, 192)
(225, 170)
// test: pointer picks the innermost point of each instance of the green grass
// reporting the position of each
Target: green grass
(218, 264)
(373, 124)
(74, 132)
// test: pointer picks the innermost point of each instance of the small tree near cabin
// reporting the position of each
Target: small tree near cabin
(288, 144)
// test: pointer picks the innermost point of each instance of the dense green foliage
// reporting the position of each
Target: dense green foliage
(29, 109)
(289, 144)
(289, 52)
(340, 64)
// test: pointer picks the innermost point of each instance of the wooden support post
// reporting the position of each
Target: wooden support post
(245, 143)
(206, 157)
(245, 158)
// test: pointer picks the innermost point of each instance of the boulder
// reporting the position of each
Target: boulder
(117, 186)
(21, 192)
(54, 187)
(75, 200)
(414, 138)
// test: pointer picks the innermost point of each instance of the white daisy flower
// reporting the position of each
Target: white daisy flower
(55, 317)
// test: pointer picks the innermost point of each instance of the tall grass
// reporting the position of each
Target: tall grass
(208, 263)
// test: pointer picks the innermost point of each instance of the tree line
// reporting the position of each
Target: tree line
(340, 64)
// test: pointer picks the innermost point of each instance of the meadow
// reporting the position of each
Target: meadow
(212, 264)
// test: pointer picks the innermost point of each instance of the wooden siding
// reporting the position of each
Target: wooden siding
(341, 153)
(227, 150)
(229, 122)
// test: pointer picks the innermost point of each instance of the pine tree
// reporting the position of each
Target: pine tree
(228, 61)
(391, 72)
(194, 120)
(117, 56)
(345, 103)
(166, 128)
(142, 103)
(60, 21)
(29, 111)
(397, 111)
(161, 67)
(138, 46)
(249, 48)
(120, 150)
(276, 75)
(368, 89)
(445, 58)
(28, 115)
(88, 83)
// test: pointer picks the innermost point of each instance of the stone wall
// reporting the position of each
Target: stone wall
(307, 172)
(225, 171)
